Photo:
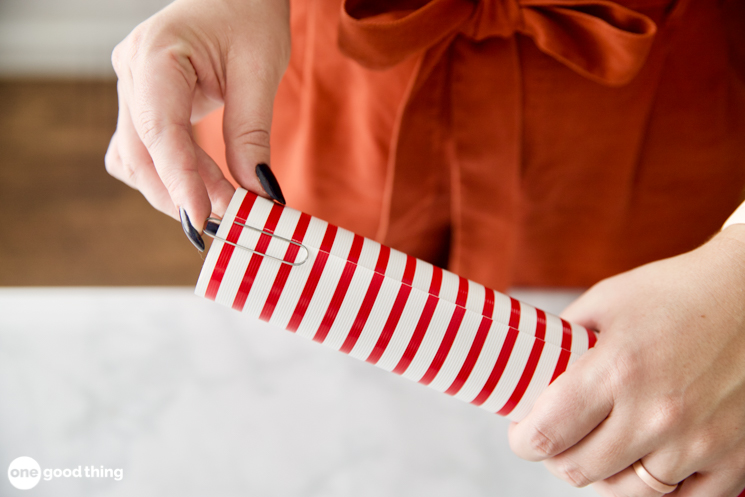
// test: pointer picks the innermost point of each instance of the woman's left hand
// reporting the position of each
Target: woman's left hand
(665, 383)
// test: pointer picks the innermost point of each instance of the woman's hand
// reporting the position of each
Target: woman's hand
(665, 383)
(176, 67)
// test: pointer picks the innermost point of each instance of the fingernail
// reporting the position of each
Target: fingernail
(191, 232)
(211, 228)
(269, 183)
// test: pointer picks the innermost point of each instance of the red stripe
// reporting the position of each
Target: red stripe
(566, 347)
(256, 259)
(450, 333)
(313, 277)
(535, 355)
(409, 270)
(226, 251)
(368, 301)
(423, 324)
(514, 314)
(488, 311)
(477, 345)
(396, 311)
(284, 272)
(561, 365)
(341, 290)
(591, 339)
(499, 367)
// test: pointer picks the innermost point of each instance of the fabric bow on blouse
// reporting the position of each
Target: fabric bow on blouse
(469, 65)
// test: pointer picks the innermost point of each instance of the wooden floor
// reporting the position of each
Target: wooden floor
(64, 220)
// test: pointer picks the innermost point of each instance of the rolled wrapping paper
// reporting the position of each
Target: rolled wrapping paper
(385, 307)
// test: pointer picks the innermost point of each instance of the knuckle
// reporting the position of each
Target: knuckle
(543, 443)
(667, 416)
(624, 371)
(172, 180)
(111, 162)
(253, 137)
(128, 174)
(149, 127)
(117, 59)
(125, 52)
(572, 474)
(121, 170)
(707, 444)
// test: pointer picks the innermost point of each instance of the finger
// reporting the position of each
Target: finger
(726, 483)
(137, 169)
(139, 178)
(247, 121)
(675, 463)
(584, 311)
(625, 484)
(219, 188)
(570, 408)
(163, 82)
(607, 450)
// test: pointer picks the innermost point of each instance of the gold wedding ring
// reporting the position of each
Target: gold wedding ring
(651, 481)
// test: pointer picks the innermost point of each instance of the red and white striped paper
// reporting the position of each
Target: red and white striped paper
(387, 308)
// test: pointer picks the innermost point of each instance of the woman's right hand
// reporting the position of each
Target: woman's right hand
(175, 68)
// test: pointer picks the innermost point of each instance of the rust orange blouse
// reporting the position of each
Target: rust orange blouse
(516, 142)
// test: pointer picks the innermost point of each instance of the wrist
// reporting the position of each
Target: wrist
(730, 243)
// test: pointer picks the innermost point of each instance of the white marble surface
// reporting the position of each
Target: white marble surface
(193, 399)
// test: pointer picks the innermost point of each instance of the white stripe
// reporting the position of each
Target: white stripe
(475, 301)
(539, 382)
(369, 254)
(449, 287)
(422, 276)
(580, 339)
(528, 319)
(239, 259)
(458, 352)
(512, 373)
(342, 244)
(213, 255)
(355, 295)
(298, 276)
(396, 266)
(431, 341)
(377, 319)
(269, 268)
(382, 307)
(554, 330)
(315, 234)
(208, 268)
(404, 330)
(319, 303)
(485, 363)
(261, 286)
(349, 308)
(502, 308)
(326, 285)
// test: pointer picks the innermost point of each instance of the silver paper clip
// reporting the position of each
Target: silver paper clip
(213, 224)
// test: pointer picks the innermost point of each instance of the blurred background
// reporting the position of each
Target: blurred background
(65, 221)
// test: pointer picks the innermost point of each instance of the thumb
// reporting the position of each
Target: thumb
(590, 308)
(247, 121)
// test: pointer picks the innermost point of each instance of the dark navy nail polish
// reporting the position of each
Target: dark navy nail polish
(211, 227)
(269, 183)
(191, 232)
